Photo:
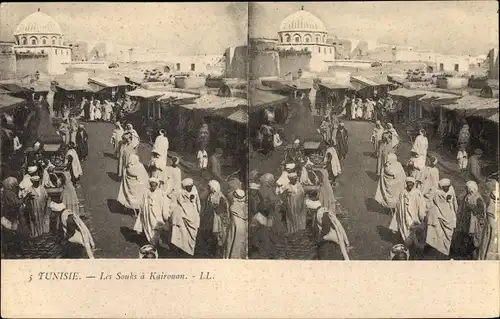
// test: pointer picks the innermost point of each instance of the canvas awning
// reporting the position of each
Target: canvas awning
(336, 86)
(471, 103)
(37, 87)
(381, 80)
(240, 116)
(147, 94)
(262, 99)
(70, 87)
(211, 101)
(494, 118)
(4, 91)
(407, 93)
(288, 85)
(360, 82)
(108, 82)
(13, 88)
(170, 96)
(134, 80)
(162, 95)
(8, 102)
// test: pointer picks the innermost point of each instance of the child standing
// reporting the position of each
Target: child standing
(202, 159)
(462, 159)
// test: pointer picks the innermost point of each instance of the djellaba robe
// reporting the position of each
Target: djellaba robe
(384, 150)
(294, 208)
(68, 194)
(390, 185)
(82, 144)
(154, 208)
(133, 184)
(38, 213)
(237, 235)
(410, 208)
(441, 222)
(175, 178)
(341, 143)
(185, 224)
(116, 139)
(125, 151)
(488, 249)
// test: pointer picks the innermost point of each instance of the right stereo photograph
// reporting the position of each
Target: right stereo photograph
(370, 140)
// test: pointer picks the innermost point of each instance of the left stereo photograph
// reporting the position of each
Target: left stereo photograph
(124, 138)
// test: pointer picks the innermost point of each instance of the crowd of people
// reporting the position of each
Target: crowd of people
(427, 216)
(357, 108)
(301, 199)
(428, 220)
(45, 202)
(170, 214)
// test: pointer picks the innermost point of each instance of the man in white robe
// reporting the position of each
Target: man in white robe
(161, 144)
(189, 187)
(410, 209)
(26, 183)
(135, 136)
(174, 176)
(283, 180)
(421, 144)
(153, 210)
(158, 169)
(185, 223)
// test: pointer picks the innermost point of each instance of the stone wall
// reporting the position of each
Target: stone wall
(264, 64)
(7, 66)
(29, 64)
(291, 63)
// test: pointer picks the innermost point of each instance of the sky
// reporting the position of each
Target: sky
(449, 27)
(465, 27)
(181, 28)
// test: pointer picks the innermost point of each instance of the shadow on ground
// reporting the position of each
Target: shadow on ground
(133, 237)
(109, 155)
(113, 176)
(370, 154)
(373, 206)
(116, 208)
(387, 235)
(372, 175)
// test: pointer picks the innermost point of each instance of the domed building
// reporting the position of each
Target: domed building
(40, 45)
(303, 30)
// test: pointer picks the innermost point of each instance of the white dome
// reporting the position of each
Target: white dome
(302, 21)
(38, 23)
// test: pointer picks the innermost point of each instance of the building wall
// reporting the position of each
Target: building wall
(446, 63)
(262, 44)
(292, 63)
(296, 38)
(7, 66)
(410, 55)
(39, 39)
(493, 64)
(360, 50)
(196, 63)
(7, 61)
(264, 64)
(381, 54)
(236, 62)
(95, 65)
(343, 48)
(79, 51)
(26, 65)
(351, 64)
